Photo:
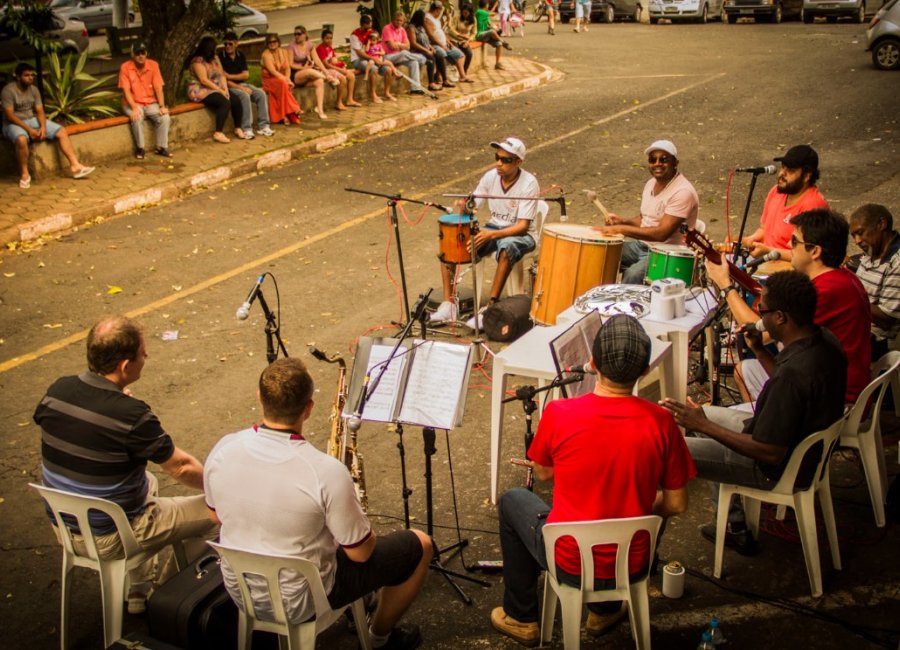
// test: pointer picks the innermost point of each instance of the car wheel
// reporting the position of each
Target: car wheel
(732, 18)
(654, 21)
(861, 13)
(831, 19)
(704, 15)
(886, 55)
(636, 17)
(776, 17)
(609, 14)
(806, 17)
(131, 17)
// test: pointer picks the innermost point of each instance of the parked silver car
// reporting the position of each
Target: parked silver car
(687, 10)
(248, 22)
(834, 9)
(71, 34)
(883, 37)
(95, 14)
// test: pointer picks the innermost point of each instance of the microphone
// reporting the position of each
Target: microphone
(431, 204)
(752, 327)
(768, 169)
(244, 310)
(583, 369)
(771, 256)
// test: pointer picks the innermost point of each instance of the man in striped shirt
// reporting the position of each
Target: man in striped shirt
(872, 228)
(96, 440)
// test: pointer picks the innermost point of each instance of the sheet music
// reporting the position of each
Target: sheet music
(380, 406)
(436, 384)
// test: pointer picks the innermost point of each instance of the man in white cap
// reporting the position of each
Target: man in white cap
(668, 201)
(509, 233)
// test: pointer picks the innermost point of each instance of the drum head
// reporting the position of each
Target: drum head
(455, 219)
(673, 250)
(580, 232)
(612, 299)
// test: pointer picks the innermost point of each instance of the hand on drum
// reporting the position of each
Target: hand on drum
(690, 415)
(718, 273)
(608, 230)
(483, 236)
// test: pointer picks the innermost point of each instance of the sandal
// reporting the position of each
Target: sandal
(25, 183)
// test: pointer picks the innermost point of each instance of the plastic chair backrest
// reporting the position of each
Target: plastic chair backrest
(78, 506)
(270, 568)
(700, 226)
(828, 438)
(588, 534)
(881, 371)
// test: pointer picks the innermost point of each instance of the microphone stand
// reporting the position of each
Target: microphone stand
(393, 199)
(736, 251)
(273, 330)
(526, 395)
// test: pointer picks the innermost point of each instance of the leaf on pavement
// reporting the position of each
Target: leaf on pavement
(52, 326)
(9, 275)
(112, 289)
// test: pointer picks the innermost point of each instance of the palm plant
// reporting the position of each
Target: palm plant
(71, 94)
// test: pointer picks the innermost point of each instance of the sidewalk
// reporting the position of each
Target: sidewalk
(59, 203)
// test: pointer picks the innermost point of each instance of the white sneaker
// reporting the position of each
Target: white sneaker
(267, 131)
(445, 313)
(248, 134)
(137, 597)
(480, 316)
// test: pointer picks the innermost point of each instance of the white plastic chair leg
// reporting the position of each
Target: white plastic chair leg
(245, 632)
(65, 590)
(871, 453)
(751, 515)
(639, 614)
(362, 629)
(721, 524)
(302, 637)
(112, 592)
(548, 612)
(571, 619)
(830, 523)
(805, 509)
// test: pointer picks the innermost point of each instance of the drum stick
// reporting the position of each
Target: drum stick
(592, 195)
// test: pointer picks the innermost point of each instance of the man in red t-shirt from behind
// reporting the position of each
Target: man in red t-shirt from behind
(794, 192)
(611, 455)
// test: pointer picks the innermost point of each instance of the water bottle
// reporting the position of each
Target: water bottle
(706, 642)
(715, 632)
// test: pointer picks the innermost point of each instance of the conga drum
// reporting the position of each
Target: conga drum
(573, 259)
(671, 261)
(455, 236)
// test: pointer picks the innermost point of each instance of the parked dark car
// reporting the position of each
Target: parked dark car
(834, 9)
(72, 34)
(763, 11)
(604, 12)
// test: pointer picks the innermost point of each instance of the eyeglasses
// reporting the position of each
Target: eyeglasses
(271, 42)
(232, 43)
(504, 159)
(299, 33)
(763, 311)
(141, 53)
(806, 244)
(658, 159)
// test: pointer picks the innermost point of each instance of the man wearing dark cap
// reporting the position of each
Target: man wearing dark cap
(794, 192)
(510, 231)
(142, 98)
(611, 455)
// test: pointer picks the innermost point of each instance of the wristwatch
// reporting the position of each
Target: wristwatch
(724, 293)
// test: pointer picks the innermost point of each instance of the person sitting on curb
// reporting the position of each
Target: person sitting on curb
(335, 69)
(443, 49)
(234, 63)
(486, 34)
(307, 68)
(396, 46)
(207, 85)
(461, 31)
(359, 59)
(419, 44)
(142, 99)
(24, 121)
(277, 82)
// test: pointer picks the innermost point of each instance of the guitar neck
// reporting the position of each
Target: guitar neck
(740, 276)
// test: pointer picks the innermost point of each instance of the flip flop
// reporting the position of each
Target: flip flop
(25, 183)
(84, 171)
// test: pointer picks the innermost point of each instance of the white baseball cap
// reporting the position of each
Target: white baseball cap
(511, 145)
(662, 145)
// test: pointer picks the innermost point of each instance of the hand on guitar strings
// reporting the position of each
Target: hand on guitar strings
(718, 273)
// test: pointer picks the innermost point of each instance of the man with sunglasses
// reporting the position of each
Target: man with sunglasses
(805, 394)
(819, 246)
(234, 64)
(509, 233)
(795, 191)
(668, 201)
(142, 98)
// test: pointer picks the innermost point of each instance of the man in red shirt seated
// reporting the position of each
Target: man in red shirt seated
(794, 192)
(611, 455)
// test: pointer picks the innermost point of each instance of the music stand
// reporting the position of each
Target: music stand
(574, 348)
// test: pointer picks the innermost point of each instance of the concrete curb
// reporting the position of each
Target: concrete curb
(176, 188)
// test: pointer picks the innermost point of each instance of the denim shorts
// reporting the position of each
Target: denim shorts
(360, 64)
(516, 246)
(453, 53)
(487, 37)
(13, 131)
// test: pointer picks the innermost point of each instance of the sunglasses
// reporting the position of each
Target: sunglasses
(272, 42)
(806, 244)
(299, 33)
(506, 160)
(763, 311)
(658, 159)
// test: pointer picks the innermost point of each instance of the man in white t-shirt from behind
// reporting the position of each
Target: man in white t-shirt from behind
(274, 493)
(510, 231)
(668, 201)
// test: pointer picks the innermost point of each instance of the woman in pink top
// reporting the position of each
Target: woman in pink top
(307, 67)
(276, 81)
(207, 85)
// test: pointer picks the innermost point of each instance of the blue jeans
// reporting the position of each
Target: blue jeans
(160, 122)
(258, 97)
(516, 246)
(13, 131)
(412, 61)
(452, 53)
(635, 256)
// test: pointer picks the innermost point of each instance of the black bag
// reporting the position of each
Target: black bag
(508, 319)
(138, 641)
(193, 610)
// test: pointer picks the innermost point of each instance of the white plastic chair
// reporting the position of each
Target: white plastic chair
(300, 636)
(113, 573)
(588, 534)
(866, 435)
(785, 493)
(700, 226)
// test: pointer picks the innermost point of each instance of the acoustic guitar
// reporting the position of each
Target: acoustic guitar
(701, 244)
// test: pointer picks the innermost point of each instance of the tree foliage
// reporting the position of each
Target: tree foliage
(172, 29)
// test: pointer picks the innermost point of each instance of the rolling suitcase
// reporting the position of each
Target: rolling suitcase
(193, 611)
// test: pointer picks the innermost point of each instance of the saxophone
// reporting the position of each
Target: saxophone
(341, 444)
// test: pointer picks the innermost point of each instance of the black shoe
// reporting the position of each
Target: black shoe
(139, 154)
(506, 46)
(404, 638)
(416, 91)
(741, 541)
(162, 151)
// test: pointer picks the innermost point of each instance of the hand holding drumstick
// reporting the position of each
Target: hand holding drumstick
(609, 218)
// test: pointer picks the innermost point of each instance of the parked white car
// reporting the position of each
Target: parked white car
(883, 37)
(687, 10)
(95, 14)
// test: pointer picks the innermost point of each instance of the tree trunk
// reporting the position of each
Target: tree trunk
(172, 32)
